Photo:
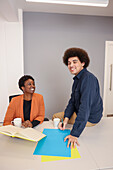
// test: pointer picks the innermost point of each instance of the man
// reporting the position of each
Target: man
(85, 99)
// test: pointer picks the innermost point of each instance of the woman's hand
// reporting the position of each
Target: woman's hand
(72, 141)
(27, 123)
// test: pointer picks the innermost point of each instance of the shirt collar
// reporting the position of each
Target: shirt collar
(80, 74)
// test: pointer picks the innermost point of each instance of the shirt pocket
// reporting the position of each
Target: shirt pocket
(77, 93)
(77, 98)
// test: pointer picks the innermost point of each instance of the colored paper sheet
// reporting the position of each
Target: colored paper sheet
(74, 154)
(53, 144)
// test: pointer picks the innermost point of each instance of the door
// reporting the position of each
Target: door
(108, 79)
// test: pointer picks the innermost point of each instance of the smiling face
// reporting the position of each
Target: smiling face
(29, 86)
(75, 65)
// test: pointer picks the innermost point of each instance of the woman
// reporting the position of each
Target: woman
(29, 106)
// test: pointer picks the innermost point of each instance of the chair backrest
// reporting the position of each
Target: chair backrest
(10, 97)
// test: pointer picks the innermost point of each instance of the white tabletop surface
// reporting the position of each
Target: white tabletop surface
(99, 142)
(96, 150)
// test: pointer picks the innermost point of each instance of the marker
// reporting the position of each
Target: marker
(62, 123)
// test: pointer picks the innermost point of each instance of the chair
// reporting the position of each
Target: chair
(10, 97)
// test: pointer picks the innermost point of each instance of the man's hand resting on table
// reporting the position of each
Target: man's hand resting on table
(72, 140)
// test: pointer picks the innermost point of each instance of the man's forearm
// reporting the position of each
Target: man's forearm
(66, 119)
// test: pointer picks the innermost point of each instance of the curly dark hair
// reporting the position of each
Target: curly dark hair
(23, 79)
(76, 52)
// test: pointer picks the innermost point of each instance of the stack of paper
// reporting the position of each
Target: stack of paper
(53, 147)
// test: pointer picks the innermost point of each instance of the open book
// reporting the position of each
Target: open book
(24, 133)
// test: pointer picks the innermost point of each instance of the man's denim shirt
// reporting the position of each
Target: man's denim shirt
(85, 101)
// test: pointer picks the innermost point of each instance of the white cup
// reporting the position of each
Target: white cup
(56, 122)
(17, 122)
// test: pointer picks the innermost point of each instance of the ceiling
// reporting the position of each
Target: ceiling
(9, 9)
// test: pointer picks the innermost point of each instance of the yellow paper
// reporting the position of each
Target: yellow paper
(74, 154)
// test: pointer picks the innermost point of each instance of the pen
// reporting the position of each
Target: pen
(62, 123)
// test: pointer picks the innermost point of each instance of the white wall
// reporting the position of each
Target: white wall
(108, 79)
(11, 60)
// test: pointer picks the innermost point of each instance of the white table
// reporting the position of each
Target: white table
(99, 142)
(18, 154)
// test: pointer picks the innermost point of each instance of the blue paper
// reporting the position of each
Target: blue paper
(53, 144)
